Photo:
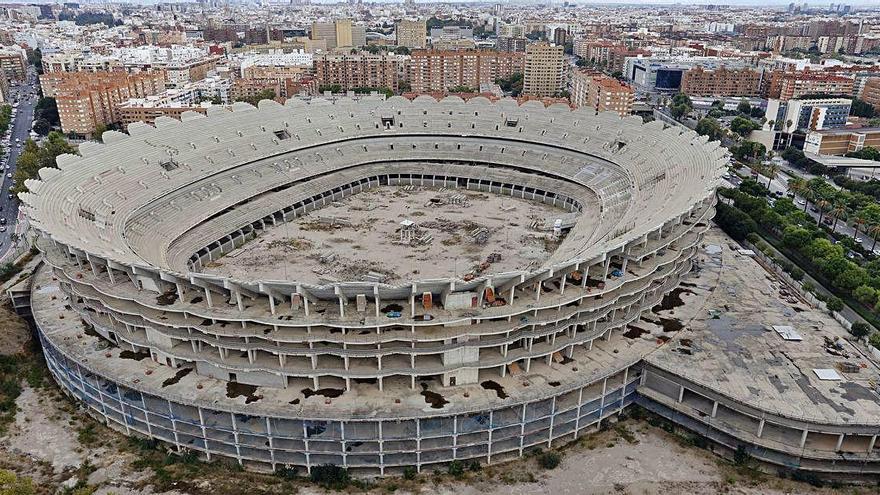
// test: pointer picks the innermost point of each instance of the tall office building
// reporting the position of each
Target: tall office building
(543, 69)
(411, 34)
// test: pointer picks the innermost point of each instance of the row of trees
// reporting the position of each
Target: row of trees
(803, 240)
(34, 157)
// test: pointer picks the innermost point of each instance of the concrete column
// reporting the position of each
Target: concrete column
(680, 393)
(804, 438)
(871, 443)
(839, 442)
(760, 428)
(714, 409)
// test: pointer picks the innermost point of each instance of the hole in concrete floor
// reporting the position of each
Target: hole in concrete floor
(137, 356)
(492, 385)
(566, 360)
(234, 389)
(671, 300)
(207, 323)
(330, 393)
(436, 400)
(687, 342)
(391, 307)
(634, 332)
(196, 300)
(671, 324)
(177, 376)
(294, 402)
(554, 383)
(167, 298)
(685, 351)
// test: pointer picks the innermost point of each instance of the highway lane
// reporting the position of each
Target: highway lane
(20, 129)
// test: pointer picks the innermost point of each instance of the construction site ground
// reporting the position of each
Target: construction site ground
(361, 236)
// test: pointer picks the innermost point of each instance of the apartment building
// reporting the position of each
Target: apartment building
(796, 84)
(543, 75)
(359, 70)
(721, 82)
(341, 33)
(510, 44)
(439, 70)
(13, 64)
(871, 92)
(148, 110)
(412, 34)
(87, 100)
(601, 92)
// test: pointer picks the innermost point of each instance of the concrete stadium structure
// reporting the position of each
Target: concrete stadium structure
(296, 373)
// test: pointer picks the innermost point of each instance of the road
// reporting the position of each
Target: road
(20, 129)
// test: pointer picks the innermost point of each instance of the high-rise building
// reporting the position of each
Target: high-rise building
(411, 34)
(339, 34)
(87, 100)
(721, 82)
(601, 92)
(439, 70)
(361, 70)
(543, 69)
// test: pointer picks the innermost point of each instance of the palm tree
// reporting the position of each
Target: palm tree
(799, 187)
(772, 171)
(823, 205)
(858, 221)
(874, 232)
(837, 211)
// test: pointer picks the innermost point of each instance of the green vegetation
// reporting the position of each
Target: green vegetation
(14, 368)
(512, 84)
(749, 151)
(549, 460)
(46, 116)
(680, 106)
(5, 118)
(866, 153)
(461, 89)
(330, 476)
(34, 157)
(708, 126)
(808, 243)
(266, 94)
(11, 484)
(743, 126)
(797, 158)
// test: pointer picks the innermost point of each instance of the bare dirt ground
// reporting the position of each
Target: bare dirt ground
(362, 233)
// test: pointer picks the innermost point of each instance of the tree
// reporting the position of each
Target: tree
(861, 329)
(771, 171)
(866, 295)
(12, 484)
(744, 107)
(735, 222)
(47, 108)
(708, 126)
(749, 151)
(743, 126)
(834, 304)
(42, 127)
(402, 50)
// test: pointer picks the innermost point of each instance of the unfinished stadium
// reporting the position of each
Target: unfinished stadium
(380, 284)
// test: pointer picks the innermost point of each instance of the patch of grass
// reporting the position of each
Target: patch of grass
(87, 434)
